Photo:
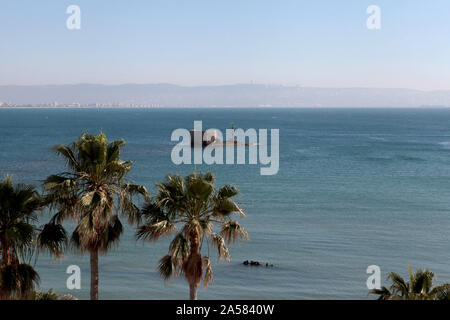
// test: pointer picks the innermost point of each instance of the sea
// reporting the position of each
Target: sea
(355, 188)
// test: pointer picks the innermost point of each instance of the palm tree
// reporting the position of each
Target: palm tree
(419, 287)
(50, 295)
(190, 206)
(93, 193)
(18, 206)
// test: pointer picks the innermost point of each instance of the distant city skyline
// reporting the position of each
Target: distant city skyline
(307, 43)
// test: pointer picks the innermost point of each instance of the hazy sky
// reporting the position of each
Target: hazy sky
(308, 43)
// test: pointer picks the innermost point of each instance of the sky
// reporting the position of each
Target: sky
(320, 43)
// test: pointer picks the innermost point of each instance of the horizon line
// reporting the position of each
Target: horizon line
(219, 85)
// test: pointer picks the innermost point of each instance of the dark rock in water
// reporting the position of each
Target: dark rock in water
(256, 263)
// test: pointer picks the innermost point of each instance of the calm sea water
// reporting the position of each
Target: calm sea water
(355, 187)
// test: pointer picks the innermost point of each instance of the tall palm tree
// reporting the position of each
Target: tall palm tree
(93, 193)
(419, 287)
(190, 206)
(18, 206)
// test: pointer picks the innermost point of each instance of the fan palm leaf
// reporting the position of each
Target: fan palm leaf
(18, 206)
(419, 287)
(193, 205)
(93, 193)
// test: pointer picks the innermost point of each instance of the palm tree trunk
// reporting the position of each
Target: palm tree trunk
(94, 274)
(5, 252)
(193, 267)
(193, 291)
(4, 255)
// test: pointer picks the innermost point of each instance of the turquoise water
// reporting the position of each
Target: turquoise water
(356, 187)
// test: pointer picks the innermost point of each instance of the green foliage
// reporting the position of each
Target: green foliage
(18, 206)
(53, 238)
(50, 295)
(17, 281)
(191, 206)
(419, 287)
(93, 193)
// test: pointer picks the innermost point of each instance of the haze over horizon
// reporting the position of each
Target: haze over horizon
(238, 95)
(251, 83)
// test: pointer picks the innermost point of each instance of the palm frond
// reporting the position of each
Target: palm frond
(441, 292)
(153, 231)
(17, 280)
(228, 191)
(232, 231)
(112, 234)
(223, 207)
(398, 284)
(53, 238)
(218, 242)
(128, 206)
(166, 267)
(208, 272)
(419, 287)
(199, 188)
(18, 206)
(179, 247)
(383, 293)
(68, 154)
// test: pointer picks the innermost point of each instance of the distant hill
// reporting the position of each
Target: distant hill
(239, 95)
